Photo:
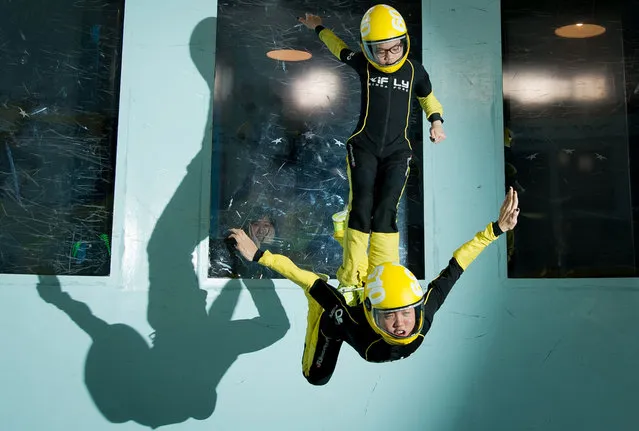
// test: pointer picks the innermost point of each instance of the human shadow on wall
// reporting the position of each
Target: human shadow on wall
(176, 377)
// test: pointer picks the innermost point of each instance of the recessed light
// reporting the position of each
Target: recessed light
(580, 31)
(288, 55)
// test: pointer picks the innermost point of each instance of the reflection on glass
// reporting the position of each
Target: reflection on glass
(316, 90)
(568, 142)
(279, 133)
(59, 70)
(542, 87)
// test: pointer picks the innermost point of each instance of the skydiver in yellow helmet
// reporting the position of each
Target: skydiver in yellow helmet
(391, 322)
(378, 152)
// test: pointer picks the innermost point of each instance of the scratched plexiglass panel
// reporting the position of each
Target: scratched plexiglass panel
(59, 75)
(279, 129)
(571, 110)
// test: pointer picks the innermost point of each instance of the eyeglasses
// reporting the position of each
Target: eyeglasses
(395, 49)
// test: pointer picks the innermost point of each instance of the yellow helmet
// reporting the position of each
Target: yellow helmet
(382, 24)
(393, 303)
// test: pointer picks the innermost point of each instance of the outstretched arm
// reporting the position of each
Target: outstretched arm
(259, 332)
(439, 288)
(336, 45)
(276, 262)
(78, 311)
(507, 220)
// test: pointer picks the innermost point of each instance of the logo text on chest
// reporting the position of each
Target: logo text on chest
(383, 82)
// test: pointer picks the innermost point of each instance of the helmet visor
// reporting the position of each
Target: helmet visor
(386, 52)
(401, 322)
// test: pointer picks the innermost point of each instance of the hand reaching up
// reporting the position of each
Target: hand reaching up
(509, 211)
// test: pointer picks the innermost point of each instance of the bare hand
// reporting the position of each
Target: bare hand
(310, 21)
(243, 243)
(509, 211)
(437, 132)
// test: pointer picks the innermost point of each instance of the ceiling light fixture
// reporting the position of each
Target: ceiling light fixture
(288, 55)
(580, 31)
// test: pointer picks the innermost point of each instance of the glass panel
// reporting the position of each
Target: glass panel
(279, 130)
(568, 148)
(59, 77)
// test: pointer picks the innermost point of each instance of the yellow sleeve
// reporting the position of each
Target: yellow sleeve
(332, 42)
(468, 252)
(286, 267)
(431, 106)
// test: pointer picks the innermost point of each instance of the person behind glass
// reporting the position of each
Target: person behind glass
(395, 315)
(262, 230)
(379, 151)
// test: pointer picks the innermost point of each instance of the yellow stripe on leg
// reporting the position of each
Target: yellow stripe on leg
(384, 248)
(355, 260)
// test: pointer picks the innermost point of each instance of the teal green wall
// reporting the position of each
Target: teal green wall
(526, 354)
(502, 355)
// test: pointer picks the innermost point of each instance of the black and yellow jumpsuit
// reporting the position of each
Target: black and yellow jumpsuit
(331, 321)
(378, 154)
